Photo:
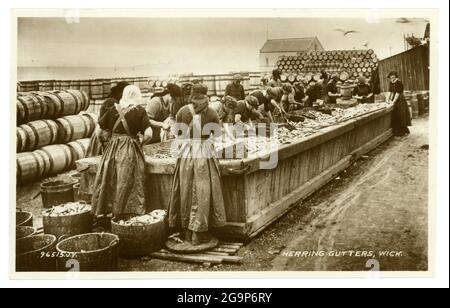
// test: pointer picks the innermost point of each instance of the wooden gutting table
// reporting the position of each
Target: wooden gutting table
(256, 197)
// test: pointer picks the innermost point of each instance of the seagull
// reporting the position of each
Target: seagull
(345, 32)
(366, 44)
(403, 20)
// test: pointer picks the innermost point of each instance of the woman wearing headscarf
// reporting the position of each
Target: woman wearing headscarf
(160, 113)
(362, 91)
(275, 95)
(100, 137)
(400, 114)
(119, 183)
(331, 90)
(196, 203)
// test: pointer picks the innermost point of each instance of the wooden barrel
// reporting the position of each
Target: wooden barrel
(30, 250)
(56, 192)
(74, 127)
(291, 78)
(30, 107)
(36, 134)
(46, 85)
(75, 85)
(93, 251)
(57, 158)
(210, 82)
(65, 85)
(30, 166)
(85, 86)
(79, 148)
(57, 85)
(28, 86)
(221, 83)
(65, 102)
(106, 87)
(96, 88)
(283, 77)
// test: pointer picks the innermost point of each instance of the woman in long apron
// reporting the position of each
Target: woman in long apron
(100, 137)
(119, 183)
(401, 118)
(196, 203)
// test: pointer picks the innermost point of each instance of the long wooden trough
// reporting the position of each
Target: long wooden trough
(256, 197)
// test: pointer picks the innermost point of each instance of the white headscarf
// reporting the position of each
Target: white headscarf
(131, 96)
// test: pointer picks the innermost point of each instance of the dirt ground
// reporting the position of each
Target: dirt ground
(378, 204)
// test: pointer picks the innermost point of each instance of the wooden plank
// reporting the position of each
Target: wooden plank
(229, 246)
(193, 258)
(232, 243)
(257, 222)
(225, 259)
(227, 250)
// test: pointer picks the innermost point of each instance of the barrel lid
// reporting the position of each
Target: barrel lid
(283, 77)
(344, 76)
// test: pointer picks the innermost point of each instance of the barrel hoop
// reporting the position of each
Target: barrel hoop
(44, 107)
(19, 169)
(35, 155)
(25, 110)
(19, 140)
(62, 102)
(79, 105)
(52, 135)
(50, 158)
(36, 134)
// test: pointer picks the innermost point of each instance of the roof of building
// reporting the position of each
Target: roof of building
(290, 44)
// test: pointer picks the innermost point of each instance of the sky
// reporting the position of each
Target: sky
(198, 45)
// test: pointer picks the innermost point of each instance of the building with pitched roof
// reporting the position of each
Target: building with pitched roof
(274, 48)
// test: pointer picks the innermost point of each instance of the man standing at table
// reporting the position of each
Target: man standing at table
(235, 89)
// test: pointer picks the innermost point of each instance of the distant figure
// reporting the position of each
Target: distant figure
(288, 101)
(362, 91)
(276, 79)
(299, 92)
(400, 115)
(235, 89)
(331, 90)
(119, 185)
(100, 137)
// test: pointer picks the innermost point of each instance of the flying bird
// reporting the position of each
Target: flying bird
(366, 44)
(403, 20)
(345, 32)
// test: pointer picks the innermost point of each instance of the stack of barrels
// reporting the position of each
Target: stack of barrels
(354, 63)
(53, 132)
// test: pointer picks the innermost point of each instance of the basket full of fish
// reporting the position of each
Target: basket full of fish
(140, 235)
(68, 219)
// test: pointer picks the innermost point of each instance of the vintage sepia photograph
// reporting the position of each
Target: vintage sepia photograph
(285, 141)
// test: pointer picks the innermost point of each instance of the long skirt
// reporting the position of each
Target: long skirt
(120, 180)
(97, 143)
(401, 118)
(196, 201)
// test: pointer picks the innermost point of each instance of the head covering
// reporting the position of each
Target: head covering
(252, 101)
(199, 89)
(199, 98)
(361, 79)
(287, 88)
(392, 73)
(237, 77)
(230, 102)
(196, 81)
(276, 72)
(335, 77)
(324, 74)
(274, 93)
(117, 90)
(131, 96)
(174, 90)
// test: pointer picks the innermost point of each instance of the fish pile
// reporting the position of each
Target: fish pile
(314, 121)
(147, 219)
(70, 208)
